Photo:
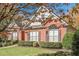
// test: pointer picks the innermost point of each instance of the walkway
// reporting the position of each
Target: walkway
(8, 46)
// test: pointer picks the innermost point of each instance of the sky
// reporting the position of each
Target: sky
(65, 8)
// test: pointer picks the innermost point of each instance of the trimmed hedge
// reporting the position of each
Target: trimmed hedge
(55, 45)
(7, 42)
(25, 43)
(58, 53)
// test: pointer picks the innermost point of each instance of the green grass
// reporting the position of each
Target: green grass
(23, 51)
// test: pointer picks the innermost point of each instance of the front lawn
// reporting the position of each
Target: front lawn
(23, 51)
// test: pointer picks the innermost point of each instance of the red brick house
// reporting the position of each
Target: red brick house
(51, 29)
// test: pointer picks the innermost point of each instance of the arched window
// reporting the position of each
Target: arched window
(53, 27)
(53, 34)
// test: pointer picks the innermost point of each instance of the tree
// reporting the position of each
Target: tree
(75, 44)
(8, 11)
(67, 41)
(72, 17)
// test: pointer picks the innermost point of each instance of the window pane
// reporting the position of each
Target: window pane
(56, 33)
(30, 33)
(34, 36)
(50, 33)
(55, 39)
(34, 33)
(37, 38)
(56, 36)
(14, 35)
(53, 35)
(37, 34)
(50, 39)
(30, 38)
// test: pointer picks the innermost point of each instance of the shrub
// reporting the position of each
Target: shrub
(4, 42)
(29, 43)
(75, 44)
(35, 44)
(46, 54)
(67, 41)
(15, 41)
(58, 53)
(8, 43)
(62, 53)
(56, 45)
(21, 43)
(25, 43)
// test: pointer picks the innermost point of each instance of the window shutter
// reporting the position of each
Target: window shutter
(59, 35)
(28, 36)
(47, 36)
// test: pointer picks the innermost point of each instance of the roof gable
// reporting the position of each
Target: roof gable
(42, 13)
(13, 25)
(45, 15)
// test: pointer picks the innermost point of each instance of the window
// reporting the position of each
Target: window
(53, 35)
(34, 36)
(14, 35)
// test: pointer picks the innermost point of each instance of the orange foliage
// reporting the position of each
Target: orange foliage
(3, 34)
